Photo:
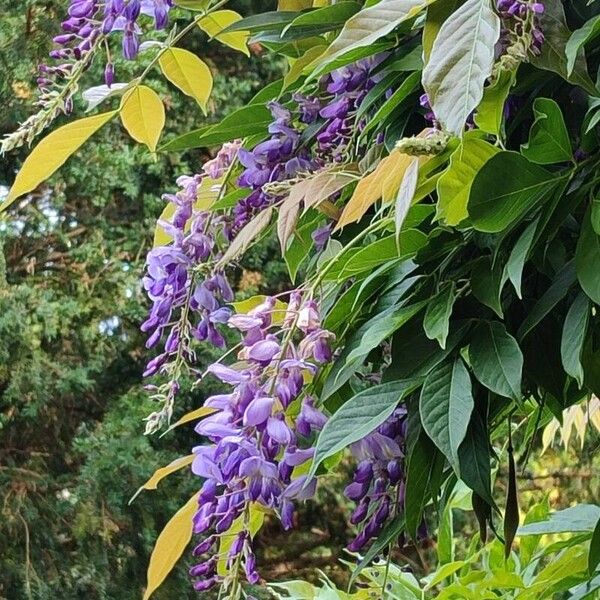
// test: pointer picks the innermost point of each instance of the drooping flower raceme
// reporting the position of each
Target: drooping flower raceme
(254, 446)
(188, 292)
(378, 483)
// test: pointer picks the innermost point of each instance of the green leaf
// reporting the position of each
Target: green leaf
(266, 21)
(324, 19)
(578, 518)
(487, 281)
(369, 25)
(518, 256)
(560, 287)
(358, 417)
(578, 39)
(423, 475)
(461, 60)
(548, 138)
(445, 537)
(490, 112)
(511, 513)
(573, 337)
(383, 250)
(595, 214)
(553, 56)
(454, 186)
(498, 197)
(587, 259)
(497, 360)
(446, 405)
(474, 460)
(437, 316)
(381, 329)
(594, 556)
(408, 85)
(437, 13)
(299, 249)
(246, 121)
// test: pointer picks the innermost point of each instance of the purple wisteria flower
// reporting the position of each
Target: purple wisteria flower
(87, 22)
(521, 32)
(276, 159)
(254, 446)
(378, 483)
(188, 293)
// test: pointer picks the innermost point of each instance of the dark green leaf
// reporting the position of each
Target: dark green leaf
(474, 459)
(487, 281)
(560, 287)
(437, 316)
(358, 417)
(548, 138)
(578, 39)
(248, 120)
(595, 216)
(424, 471)
(483, 514)
(498, 197)
(553, 56)
(573, 337)
(511, 513)
(497, 360)
(518, 256)
(446, 405)
(324, 19)
(271, 20)
(588, 259)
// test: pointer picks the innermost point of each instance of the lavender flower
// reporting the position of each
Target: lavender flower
(378, 483)
(254, 447)
(88, 22)
(188, 293)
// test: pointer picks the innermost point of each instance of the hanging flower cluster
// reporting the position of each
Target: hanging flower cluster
(378, 483)
(187, 291)
(521, 33)
(276, 159)
(88, 21)
(283, 157)
(254, 446)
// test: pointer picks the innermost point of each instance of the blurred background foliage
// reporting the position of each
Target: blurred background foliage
(72, 451)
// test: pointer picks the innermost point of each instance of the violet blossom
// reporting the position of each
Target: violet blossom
(189, 294)
(254, 447)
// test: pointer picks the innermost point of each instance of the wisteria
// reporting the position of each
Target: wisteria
(378, 483)
(283, 157)
(188, 293)
(254, 447)
(521, 33)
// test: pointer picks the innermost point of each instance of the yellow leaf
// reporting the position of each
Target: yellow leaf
(255, 520)
(203, 411)
(161, 473)
(189, 73)
(245, 306)
(52, 152)
(294, 4)
(371, 188)
(170, 545)
(215, 22)
(143, 115)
